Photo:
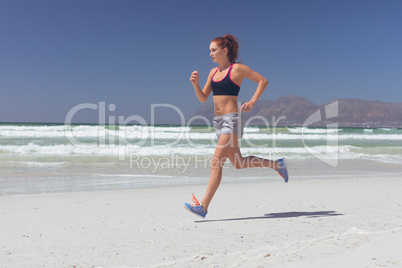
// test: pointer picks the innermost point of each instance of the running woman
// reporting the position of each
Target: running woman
(224, 83)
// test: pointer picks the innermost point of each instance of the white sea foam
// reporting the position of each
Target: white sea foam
(284, 136)
(56, 150)
(167, 140)
(40, 164)
(200, 150)
(251, 129)
(135, 176)
(84, 130)
(314, 130)
(177, 133)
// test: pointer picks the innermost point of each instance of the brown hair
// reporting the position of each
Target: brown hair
(231, 43)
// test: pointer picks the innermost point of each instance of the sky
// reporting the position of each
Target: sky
(128, 56)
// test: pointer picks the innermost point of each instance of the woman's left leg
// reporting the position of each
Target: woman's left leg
(228, 147)
(239, 162)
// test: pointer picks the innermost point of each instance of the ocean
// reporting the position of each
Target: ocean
(45, 158)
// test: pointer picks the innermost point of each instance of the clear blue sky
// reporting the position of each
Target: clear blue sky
(57, 54)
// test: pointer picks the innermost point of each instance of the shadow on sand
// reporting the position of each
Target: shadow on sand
(294, 214)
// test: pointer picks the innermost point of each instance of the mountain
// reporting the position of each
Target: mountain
(362, 112)
(294, 111)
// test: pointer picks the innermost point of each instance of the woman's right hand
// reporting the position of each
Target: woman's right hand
(194, 79)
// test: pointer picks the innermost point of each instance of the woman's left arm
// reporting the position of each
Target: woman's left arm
(248, 73)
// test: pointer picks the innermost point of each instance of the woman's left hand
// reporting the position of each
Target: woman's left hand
(247, 106)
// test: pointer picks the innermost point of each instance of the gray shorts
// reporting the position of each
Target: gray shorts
(228, 123)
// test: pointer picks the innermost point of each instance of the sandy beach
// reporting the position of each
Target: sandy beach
(353, 222)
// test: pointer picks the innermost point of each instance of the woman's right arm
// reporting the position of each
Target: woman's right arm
(203, 94)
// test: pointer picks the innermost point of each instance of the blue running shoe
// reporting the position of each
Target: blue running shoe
(283, 169)
(196, 208)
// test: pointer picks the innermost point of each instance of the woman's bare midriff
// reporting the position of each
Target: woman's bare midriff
(225, 105)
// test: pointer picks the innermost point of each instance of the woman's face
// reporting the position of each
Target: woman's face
(217, 53)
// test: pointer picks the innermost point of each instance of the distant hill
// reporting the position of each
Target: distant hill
(294, 111)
